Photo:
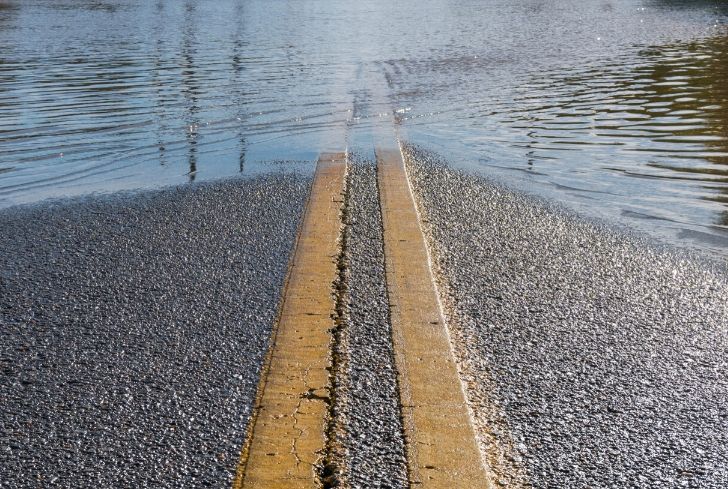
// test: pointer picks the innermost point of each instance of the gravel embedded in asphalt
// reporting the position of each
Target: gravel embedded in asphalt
(133, 331)
(596, 358)
(367, 397)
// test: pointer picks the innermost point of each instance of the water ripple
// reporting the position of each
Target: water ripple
(626, 107)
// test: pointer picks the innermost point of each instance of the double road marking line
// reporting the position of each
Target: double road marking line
(289, 422)
(287, 438)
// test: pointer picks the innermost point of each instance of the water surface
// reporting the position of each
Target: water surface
(619, 108)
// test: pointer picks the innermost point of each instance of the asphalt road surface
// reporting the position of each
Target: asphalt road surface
(367, 396)
(133, 331)
(593, 358)
(134, 327)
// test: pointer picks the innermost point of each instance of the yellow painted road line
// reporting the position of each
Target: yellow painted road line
(288, 436)
(441, 447)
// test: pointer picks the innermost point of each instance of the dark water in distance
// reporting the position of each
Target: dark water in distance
(619, 108)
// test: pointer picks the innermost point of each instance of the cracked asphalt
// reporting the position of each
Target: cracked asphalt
(592, 357)
(367, 398)
(133, 331)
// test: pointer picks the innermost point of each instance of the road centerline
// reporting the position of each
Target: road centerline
(441, 447)
(288, 430)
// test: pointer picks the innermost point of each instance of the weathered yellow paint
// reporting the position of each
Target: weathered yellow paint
(287, 436)
(442, 451)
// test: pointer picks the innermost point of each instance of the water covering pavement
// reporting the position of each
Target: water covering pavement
(615, 107)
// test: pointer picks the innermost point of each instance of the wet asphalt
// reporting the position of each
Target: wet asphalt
(133, 331)
(134, 327)
(370, 429)
(593, 358)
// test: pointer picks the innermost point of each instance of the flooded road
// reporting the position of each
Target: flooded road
(618, 108)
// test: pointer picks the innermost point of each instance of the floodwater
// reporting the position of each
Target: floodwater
(616, 107)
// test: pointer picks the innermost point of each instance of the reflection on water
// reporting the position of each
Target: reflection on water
(617, 106)
(639, 134)
(661, 114)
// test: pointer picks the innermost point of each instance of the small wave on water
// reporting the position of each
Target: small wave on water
(619, 108)
(645, 128)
